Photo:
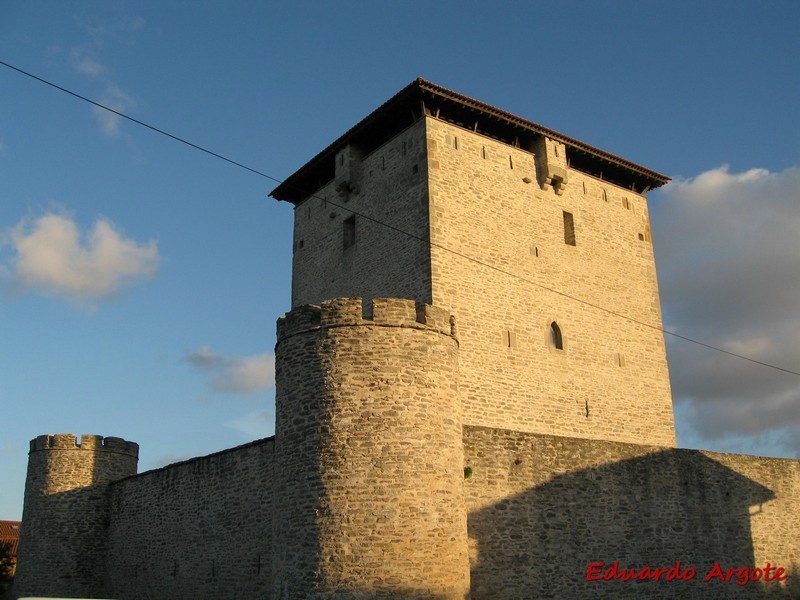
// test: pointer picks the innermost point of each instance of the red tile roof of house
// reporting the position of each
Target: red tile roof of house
(9, 534)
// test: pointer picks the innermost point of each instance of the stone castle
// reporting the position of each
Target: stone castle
(472, 400)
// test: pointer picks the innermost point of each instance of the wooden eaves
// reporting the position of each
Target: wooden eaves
(421, 98)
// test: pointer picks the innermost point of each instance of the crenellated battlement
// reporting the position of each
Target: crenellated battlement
(86, 442)
(386, 312)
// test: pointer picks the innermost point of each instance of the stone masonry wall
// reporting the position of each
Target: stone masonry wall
(196, 529)
(610, 381)
(369, 486)
(389, 186)
(473, 196)
(63, 540)
(383, 511)
(541, 508)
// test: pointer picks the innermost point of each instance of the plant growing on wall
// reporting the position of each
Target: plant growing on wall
(6, 562)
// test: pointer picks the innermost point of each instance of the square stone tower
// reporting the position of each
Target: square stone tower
(538, 243)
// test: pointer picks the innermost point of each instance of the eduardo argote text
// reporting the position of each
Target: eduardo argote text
(600, 571)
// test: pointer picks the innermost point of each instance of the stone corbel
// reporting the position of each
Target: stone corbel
(551, 164)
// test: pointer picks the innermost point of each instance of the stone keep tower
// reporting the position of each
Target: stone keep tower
(62, 547)
(538, 243)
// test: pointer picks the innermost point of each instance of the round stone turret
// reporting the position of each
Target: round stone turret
(369, 456)
(65, 518)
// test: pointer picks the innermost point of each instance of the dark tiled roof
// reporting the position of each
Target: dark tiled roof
(423, 97)
(9, 534)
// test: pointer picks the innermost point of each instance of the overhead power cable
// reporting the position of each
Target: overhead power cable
(392, 227)
(138, 122)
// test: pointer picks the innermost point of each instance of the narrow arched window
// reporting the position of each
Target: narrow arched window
(556, 341)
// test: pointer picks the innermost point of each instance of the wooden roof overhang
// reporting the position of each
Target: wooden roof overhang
(421, 98)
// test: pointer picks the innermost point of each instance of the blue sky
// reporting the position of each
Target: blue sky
(140, 280)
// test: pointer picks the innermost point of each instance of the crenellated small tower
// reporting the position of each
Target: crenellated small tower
(62, 549)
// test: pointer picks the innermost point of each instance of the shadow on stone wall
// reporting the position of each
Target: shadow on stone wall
(63, 538)
(196, 529)
(396, 593)
(652, 510)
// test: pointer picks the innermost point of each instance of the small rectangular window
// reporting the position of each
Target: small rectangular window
(569, 229)
(349, 232)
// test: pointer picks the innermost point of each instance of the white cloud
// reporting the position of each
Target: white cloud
(113, 97)
(168, 459)
(254, 425)
(204, 358)
(237, 374)
(90, 67)
(10, 450)
(85, 59)
(112, 29)
(241, 375)
(728, 250)
(249, 374)
(86, 65)
(134, 23)
(51, 257)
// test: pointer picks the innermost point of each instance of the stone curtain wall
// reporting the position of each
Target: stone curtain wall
(62, 550)
(196, 529)
(541, 508)
(381, 510)
(369, 484)
(610, 381)
(388, 185)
